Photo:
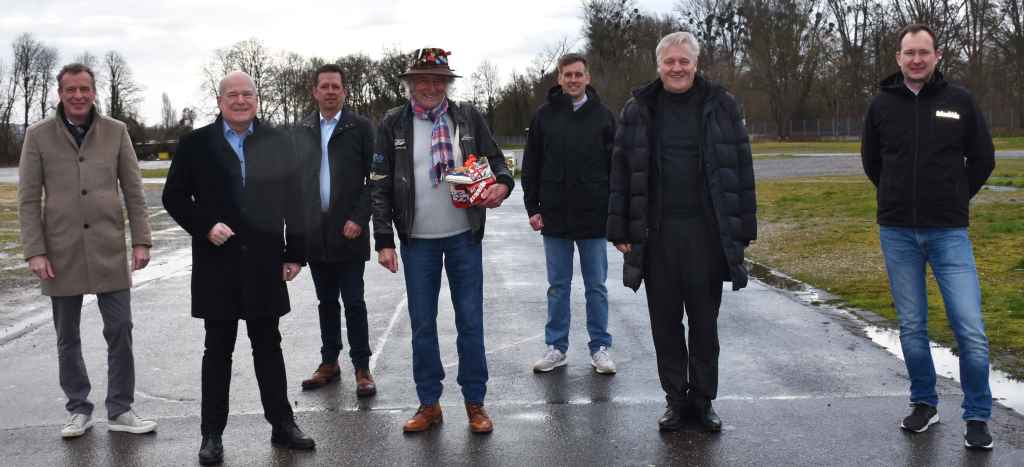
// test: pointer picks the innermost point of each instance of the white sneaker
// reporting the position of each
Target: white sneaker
(602, 361)
(552, 359)
(77, 425)
(128, 422)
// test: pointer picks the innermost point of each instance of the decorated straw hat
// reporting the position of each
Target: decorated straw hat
(430, 61)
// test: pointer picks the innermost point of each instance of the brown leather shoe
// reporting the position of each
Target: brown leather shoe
(325, 374)
(479, 421)
(365, 386)
(426, 417)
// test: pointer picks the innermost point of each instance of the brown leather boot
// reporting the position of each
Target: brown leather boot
(479, 421)
(325, 374)
(426, 417)
(365, 386)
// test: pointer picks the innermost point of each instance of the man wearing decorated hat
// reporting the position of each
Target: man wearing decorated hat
(417, 144)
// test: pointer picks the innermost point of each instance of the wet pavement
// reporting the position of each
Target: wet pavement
(800, 385)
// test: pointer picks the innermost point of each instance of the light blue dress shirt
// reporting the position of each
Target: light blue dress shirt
(326, 129)
(237, 142)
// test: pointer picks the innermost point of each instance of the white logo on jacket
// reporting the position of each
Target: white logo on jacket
(947, 114)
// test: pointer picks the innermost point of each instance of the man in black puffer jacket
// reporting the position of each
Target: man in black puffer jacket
(565, 180)
(682, 191)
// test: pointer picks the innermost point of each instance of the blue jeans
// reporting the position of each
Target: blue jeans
(594, 265)
(462, 260)
(949, 251)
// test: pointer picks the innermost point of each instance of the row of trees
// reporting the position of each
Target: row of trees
(789, 60)
(28, 87)
(784, 60)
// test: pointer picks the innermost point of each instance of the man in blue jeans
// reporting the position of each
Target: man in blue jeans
(416, 144)
(927, 149)
(565, 181)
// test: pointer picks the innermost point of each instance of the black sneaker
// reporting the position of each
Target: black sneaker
(976, 436)
(921, 418)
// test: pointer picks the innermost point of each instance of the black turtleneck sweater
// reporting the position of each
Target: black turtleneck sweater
(679, 150)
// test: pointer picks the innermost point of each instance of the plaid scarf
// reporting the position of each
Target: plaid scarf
(440, 139)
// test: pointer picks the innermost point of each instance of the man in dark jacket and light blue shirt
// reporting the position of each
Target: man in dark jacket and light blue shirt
(565, 181)
(927, 149)
(682, 191)
(417, 143)
(335, 147)
(234, 187)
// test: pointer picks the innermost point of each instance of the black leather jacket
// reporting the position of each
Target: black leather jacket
(391, 177)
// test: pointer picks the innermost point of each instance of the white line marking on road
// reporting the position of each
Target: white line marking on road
(500, 349)
(384, 337)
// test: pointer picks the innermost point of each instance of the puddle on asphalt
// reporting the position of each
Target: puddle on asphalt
(1005, 389)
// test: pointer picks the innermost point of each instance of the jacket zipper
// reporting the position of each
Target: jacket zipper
(917, 150)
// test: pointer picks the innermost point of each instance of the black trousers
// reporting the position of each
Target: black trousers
(344, 279)
(685, 265)
(267, 360)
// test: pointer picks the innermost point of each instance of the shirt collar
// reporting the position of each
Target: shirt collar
(577, 104)
(335, 120)
(229, 130)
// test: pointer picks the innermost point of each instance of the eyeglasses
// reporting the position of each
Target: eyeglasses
(234, 95)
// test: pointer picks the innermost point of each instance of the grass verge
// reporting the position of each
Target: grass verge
(1012, 143)
(822, 231)
(154, 173)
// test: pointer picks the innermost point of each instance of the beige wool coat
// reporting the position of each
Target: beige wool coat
(70, 208)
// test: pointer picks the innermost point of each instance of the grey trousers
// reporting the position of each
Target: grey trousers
(115, 307)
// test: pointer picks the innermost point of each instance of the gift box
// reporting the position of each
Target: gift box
(467, 182)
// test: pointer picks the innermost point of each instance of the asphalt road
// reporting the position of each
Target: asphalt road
(799, 385)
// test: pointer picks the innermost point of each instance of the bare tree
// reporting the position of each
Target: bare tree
(359, 70)
(786, 47)
(486, 86)
(255, 59)
(26, 53)
(168, 116)
(1011, 42)
(123, 93)
(8, 96)
(980, 25)
(718, 25)
(291, 87)
(45, 69)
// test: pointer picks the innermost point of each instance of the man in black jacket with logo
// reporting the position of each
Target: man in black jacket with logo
(682, 209)
(565, 181)
(335, 147)
(927, 149)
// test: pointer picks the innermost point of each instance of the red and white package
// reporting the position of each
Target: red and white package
(468, 182)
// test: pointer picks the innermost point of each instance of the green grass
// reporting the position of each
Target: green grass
(852, 147)
(154, 173)
(822, 231)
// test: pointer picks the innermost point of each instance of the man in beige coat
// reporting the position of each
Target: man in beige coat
(72, 230)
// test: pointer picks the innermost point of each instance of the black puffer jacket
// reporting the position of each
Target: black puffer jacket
(633, 208)
(927, 154)
(391, 177)
(349, 150)
(566, 164)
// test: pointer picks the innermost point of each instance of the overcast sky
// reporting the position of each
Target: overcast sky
(166, 43)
